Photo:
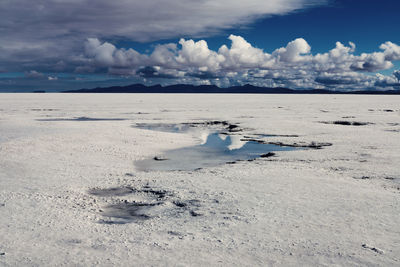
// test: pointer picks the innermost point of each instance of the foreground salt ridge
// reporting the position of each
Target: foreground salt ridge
(331, 206)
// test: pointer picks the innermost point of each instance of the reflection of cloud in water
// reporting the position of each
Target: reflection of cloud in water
(202, 134)
(223, 136)
(236, 142)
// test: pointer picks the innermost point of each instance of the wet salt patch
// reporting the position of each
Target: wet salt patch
(114, 191)
(160, 203)
(215, 151)
(126, 212)
(161, 127)
(83, 119)
(393, 178)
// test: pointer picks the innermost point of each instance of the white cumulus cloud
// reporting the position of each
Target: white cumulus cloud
(292, 66)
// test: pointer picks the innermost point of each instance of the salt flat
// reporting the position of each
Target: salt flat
(71, 194)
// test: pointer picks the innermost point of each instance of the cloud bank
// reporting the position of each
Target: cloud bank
(45, 29)
(293, 65)
(136, 20)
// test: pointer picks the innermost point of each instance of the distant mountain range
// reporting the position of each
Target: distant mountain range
(213, 89)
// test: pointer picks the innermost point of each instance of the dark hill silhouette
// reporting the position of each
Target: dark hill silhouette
(213, 89)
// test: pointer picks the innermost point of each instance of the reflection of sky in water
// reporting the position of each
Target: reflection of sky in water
(213, 152)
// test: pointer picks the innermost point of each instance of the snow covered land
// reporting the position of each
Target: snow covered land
(78, 186)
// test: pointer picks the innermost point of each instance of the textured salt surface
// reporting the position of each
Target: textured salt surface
(70, 195)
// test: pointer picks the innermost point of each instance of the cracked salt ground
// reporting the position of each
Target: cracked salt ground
(218, 149)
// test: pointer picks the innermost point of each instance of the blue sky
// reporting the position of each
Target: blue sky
(366, 23)
(58, 45)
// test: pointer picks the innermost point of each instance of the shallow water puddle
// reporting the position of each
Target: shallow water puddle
(218, 149)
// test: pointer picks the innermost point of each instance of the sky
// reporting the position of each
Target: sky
(56, 45)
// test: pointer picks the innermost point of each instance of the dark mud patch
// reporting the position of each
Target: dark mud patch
(158, 158)
(83, 119)
(267, 155)
(312, 145)
(347, 123)
(374, 249)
